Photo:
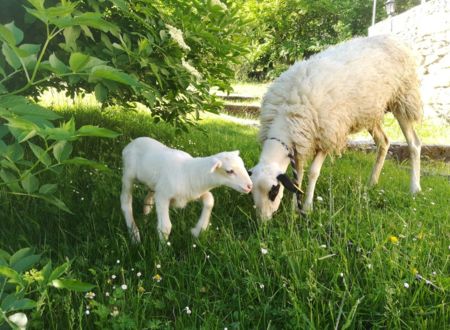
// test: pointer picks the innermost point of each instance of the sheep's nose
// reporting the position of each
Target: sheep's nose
(249, 186)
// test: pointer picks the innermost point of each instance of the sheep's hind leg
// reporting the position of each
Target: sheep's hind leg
(202, 224)
(126, 202)
(414, 149)
(314, 173)
(382, 142)
(148, 202)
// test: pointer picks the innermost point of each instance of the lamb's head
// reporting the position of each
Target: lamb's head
(269, 183)
(230, 170)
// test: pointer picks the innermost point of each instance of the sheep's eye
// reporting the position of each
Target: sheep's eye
(230, 172)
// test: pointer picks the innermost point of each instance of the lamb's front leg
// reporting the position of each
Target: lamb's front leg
(162, 210)
(202, 224)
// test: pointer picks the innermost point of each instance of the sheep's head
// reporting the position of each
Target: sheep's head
(269, 183)
(232, 172)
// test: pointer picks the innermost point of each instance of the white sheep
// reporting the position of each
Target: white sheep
(174, 178)
(312, 108)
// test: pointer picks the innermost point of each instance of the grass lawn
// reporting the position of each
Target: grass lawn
(351, 264)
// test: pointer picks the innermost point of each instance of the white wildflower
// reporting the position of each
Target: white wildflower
(319, 199)
(118, 261)
(193, 71)
(115, 312)
(113, 277)
(194, 245)
(406, 285)
(124, 286)
(177, 36)
(261, 286)
(139, 274)
(89, 295)
(341, 274)
(187, 310)
(168, 243)
(19, 319)
(264, 251)
(158, 266)
(107, 293)
(323, 246)
(87, 312)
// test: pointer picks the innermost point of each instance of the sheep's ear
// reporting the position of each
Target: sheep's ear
(216, 164)
(235, 152)
(287, 183)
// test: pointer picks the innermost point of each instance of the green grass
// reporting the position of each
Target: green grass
(336, 269)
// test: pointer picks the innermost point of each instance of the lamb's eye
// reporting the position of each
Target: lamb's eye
(230, 172)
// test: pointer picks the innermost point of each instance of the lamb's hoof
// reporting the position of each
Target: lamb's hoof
(195, 232)
(415, 190)
(136, 238)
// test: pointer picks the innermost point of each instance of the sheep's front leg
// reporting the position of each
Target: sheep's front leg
(162, 210)
(126, 201)
(314, 173)
(382, 142)
(299, 169)
(202, 224)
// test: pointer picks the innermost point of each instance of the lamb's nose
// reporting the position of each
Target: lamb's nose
(249, 186)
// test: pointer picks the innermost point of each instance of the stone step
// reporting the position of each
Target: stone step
(238, 97)
(242, 109)
(400, 151)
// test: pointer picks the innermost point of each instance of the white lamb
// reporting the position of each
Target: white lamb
(312, 108)
(174, 178)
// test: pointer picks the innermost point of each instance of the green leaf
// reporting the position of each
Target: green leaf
(85, 162)
(48, 188)
(7, 35)
(10, 179)
(101, 93)
(60, 134)
(59, 271)
(29, 49)
(4, 255)
(14, 152)
(71, 34)
(62, 150)
(54, 201)
(77, 61)
(16, 32)
(10, 273)
(40, 154)
(22, 253)
(26, 263)
(57, 65)
(109, 73)
(90, 19)
(11, 303)
(30, 183)
(46, 271)
(73, 285)
(11, 57)
(90, 130)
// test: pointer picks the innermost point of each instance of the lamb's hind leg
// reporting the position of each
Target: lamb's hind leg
(382, 142)
(414, 149)
(148, 202)
(202, 224)
(126, 203)
(314, 173)
(162, 210)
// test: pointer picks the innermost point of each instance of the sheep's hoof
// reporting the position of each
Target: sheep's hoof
(415, 190)
(307, 208)
(195, 232)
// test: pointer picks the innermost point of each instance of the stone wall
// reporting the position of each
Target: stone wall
(426, 28)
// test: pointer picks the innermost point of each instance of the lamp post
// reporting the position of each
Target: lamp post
(389, 5)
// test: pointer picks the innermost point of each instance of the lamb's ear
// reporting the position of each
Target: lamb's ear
(217, 163)
(287, 183)
(273, 192)
(250, 171)
(235, 152)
